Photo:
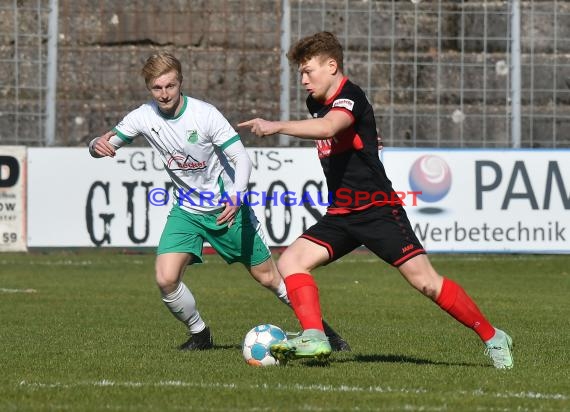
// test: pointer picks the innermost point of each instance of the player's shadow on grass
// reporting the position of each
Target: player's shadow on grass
(234, 346)
(388, 358)
(391, 358)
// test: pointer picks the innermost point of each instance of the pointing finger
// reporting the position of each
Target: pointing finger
(248, 123)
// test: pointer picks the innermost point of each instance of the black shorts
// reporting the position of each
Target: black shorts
(385, 230)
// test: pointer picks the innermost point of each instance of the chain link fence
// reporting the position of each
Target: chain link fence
(437, 72)
(23, 61)
(229, 51)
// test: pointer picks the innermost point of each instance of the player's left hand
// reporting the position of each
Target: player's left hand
(102, 147)
(228, 215)
(261, 127)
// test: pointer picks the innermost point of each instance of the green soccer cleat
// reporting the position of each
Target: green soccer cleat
(313, 343)
(500, 350)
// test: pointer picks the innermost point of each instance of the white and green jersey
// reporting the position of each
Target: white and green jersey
(191, 147)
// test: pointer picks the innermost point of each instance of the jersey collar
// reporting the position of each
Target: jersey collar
(335, 95)
(182, 110)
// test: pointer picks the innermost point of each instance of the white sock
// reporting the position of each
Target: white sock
(281, 293)
(182, 305)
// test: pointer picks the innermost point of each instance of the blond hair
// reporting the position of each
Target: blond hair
(158, 64)
(323, 44)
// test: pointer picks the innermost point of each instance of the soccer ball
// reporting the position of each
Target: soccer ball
(256, 345)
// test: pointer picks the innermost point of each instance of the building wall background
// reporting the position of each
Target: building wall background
(434, 71)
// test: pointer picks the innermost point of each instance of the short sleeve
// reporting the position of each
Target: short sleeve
(129, 127)
(219, 129)
(351, 101)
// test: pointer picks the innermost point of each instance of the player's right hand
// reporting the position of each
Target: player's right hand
(228, 215)
(261, 127)
(102, 147)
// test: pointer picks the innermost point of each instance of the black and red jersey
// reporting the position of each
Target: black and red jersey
(355, 177)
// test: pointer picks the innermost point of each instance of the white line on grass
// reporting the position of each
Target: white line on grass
(282, 387)
(68, 262)
(6, 290)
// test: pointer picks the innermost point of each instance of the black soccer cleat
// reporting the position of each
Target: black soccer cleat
(199, 341)
(338, 344)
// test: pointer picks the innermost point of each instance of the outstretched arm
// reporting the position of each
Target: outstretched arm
(334, 122)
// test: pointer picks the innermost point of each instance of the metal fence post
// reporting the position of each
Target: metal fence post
(51, 81)
(516, 74)
(284, 100)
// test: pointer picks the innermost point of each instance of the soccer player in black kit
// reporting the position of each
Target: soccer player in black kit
(364, 210)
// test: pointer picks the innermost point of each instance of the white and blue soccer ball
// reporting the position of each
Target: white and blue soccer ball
(255, 347)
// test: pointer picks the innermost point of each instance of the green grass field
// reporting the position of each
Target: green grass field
(87, 331)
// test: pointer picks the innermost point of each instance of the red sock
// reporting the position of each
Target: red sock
(455, 301)
(304, 296)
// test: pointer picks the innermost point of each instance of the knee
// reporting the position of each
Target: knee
(266, 274)
(284, 264)
(165, 281)
(267, 279)
(293, 261)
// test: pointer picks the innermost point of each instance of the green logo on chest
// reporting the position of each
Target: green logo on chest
(192, 136)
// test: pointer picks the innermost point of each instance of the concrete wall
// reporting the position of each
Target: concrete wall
(230, 53)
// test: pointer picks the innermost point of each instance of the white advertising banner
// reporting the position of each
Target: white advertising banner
(485, 200)
(75, 200)
(12, 198)
(457, 200)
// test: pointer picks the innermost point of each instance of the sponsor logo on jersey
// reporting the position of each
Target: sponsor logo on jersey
(324, 148)
(192, 136)
(179, 162)
(344, 103)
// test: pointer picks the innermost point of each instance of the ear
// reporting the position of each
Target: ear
(332, 66)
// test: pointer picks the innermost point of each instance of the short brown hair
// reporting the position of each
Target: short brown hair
(158, 64)
(323, 44)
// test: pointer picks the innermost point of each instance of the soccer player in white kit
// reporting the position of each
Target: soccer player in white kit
(209, 168)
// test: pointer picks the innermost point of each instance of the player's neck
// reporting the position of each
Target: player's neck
(176, 110)
(334, 86)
